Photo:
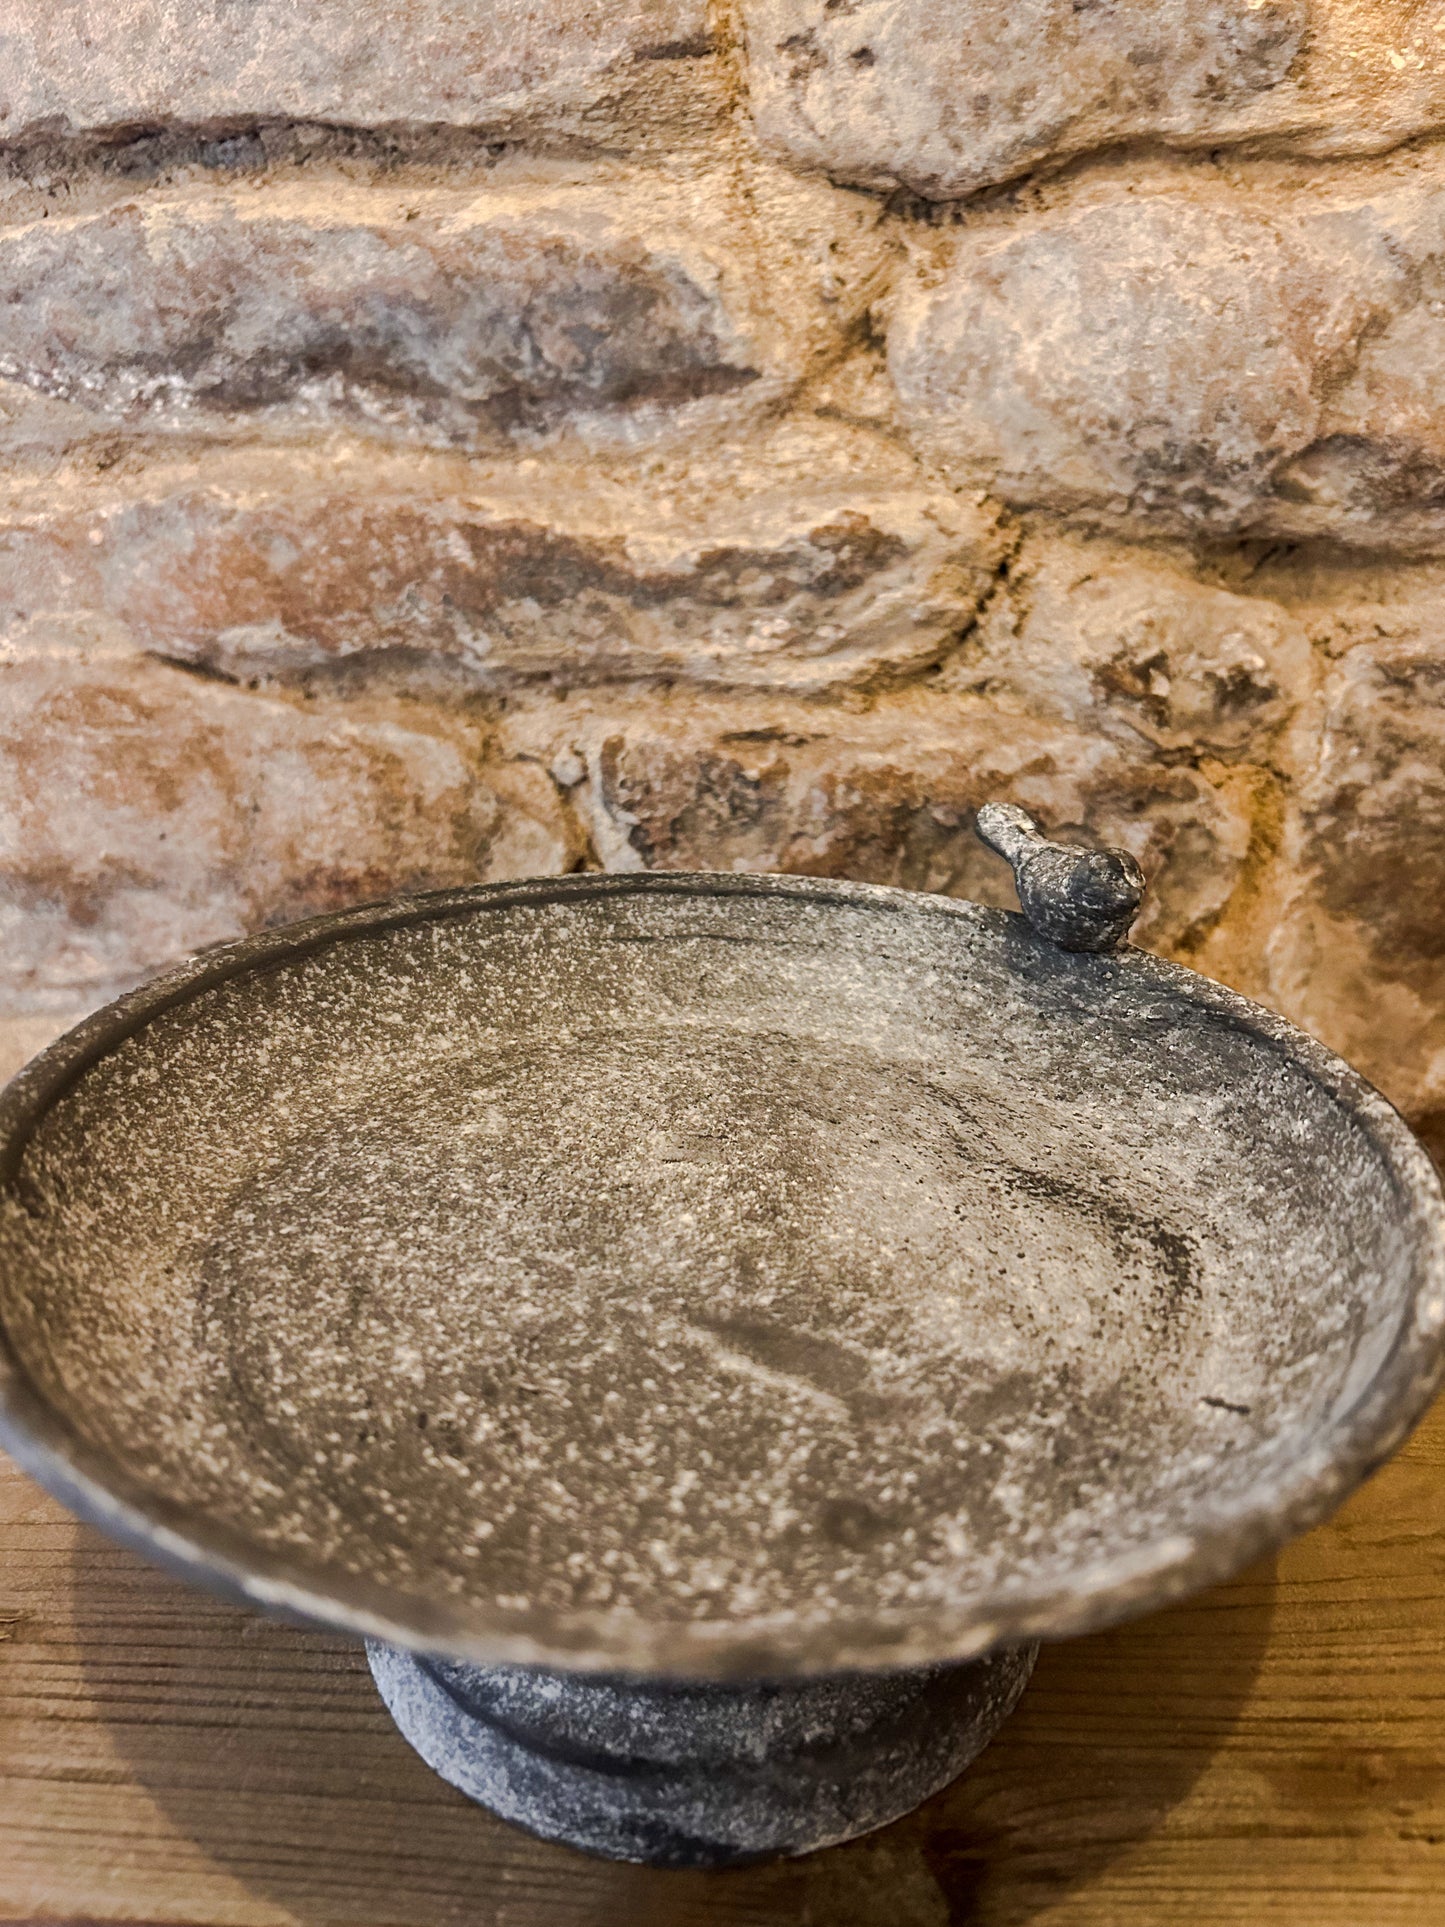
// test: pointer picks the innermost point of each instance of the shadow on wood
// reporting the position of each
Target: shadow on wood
(267, 1746)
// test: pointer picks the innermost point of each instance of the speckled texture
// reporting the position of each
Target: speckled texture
(700, 1775)
(718, 1275)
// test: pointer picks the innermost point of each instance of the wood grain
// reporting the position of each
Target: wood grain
(1271, 1753)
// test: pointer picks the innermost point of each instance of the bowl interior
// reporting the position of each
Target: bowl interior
(634, 1266)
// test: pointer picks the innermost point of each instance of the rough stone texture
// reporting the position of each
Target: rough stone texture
(24, 1035)
(449, 317)
(697, 1776)
(443, 441)
(948, 96)
(145, 813)
(1360, 950)
(509, 66)
(1216, 356)
(809, 558)
(1314, 701)
(1130, 642)
(476, 369)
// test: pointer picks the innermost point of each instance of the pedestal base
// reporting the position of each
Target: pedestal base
(697, 1775)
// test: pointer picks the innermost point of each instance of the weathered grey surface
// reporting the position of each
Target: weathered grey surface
(619, 296)
(1183, 352)
(719, 1277)
(456, 390)
(1078, 899)
(697, 1775)
(509, 66)
(949, 96)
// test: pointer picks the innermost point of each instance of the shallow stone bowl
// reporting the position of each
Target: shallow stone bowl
(702, 1330)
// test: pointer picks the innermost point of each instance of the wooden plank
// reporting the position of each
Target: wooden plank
(1271, 1754)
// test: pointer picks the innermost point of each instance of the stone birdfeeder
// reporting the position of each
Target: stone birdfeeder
(703, 1330)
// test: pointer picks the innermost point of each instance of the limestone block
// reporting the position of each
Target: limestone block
(1206, 355)
(24, 1037)
(810, 558)
(1131, 641)
(145, 812)
(1358, 954)
(451, 316)
(945, 97)
(509, 66)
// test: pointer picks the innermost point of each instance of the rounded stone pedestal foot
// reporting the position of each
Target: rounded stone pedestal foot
(699, 1775)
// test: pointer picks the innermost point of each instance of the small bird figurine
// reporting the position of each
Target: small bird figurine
(1078, 899)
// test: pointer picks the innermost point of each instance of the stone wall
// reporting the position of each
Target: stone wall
(464, 438)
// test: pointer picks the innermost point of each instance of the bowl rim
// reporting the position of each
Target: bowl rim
(103, 1493)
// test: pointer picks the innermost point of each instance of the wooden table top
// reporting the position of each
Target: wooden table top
(1271, 1753)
